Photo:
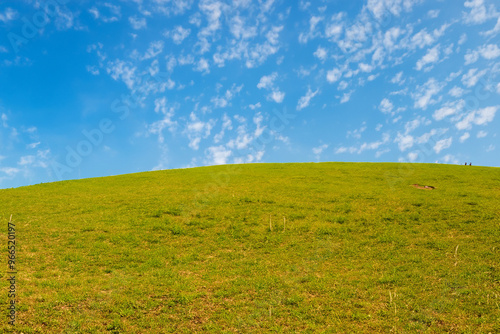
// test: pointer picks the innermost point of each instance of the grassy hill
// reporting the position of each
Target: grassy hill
(328, 247)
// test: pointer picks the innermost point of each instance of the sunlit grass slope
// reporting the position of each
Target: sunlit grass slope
(306, 248)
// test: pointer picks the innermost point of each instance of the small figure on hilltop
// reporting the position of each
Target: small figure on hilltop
(466, 164)
(470, 164)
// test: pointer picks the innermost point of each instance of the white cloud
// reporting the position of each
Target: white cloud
(422, 39)
(195, 19)
(365, 67)
(10, 171)
(335, 28)
(137, 23)
(306, 99)
(443, 144)
(240, 30)
(456, 92)
(178, 34)
(485, 115)
(346, 97)
(8, 14)
(478, 117)
(244, 137)
(272, 35)
(449, 109)
(111, 12)
(379, 153)
(423, 96)
(463, 39)
(471, 57)
(197, 130)
(366, 146)
(374, 145)
(381, 8)
(64, 19)
(471, 78)
(318, 150)
(154, 69)
(242, 140)
(240, 119)
(253, 54)
(321, 53)
(343, 85)
(224, 100)
(464, 137)
(433, 13)
(489, 52)
(415, 123)
(202, 66)
(255, 106)
(437, 33)
(412, 156)
(333, 75)
(26, 160)
(4, 119)
(355, 36)
(404, 142)
(257, 54)
(95, 12)
(449, 49)
(259, 129)
(341, 150)
(251, 158)
(391, 37)
(453, 75)
(304, 37)
(154, 49)
(424, 139)
(32, 145)
(125, 71)
(449, 158)
(277, 96)
(93, 70)
(477, 12)
(267, 81)
(167, 112)
(386, 106)
(213, 12)
(466, 122)
(218, 155)
(482, 134)
(227, 124)
(357, 132)
(431, 57)
(398, 78)
(494, 31)
(304, 72)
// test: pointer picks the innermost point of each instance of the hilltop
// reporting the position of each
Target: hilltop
(326, 247)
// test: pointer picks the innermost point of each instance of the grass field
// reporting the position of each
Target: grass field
(305, 248)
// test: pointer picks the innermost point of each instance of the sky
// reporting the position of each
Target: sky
(97, 88)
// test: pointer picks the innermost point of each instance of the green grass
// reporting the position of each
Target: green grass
(182, 251)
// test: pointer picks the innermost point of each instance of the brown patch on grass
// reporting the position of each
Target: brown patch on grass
(418, 186)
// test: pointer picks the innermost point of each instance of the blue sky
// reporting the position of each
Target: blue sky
(96, 88)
